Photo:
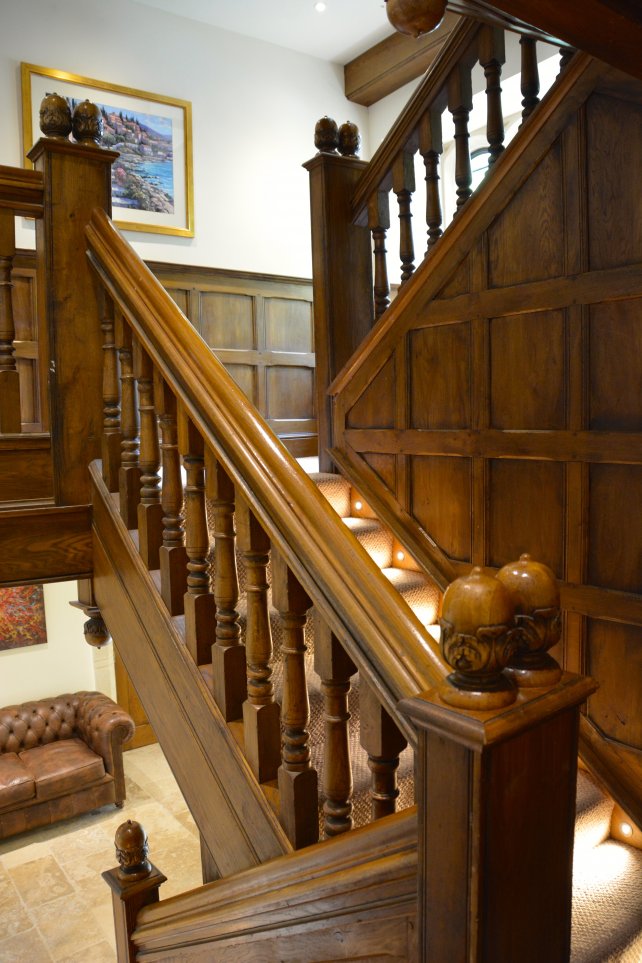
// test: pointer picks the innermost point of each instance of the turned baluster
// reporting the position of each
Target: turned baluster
(261, 714)
(150, 511)
(431, 148)
(566, 55)
(228, 655)
(530, 76)
(460, 104)
(200, 609)
(9, 383)
(335, 668)
(129, 474)
(173, 557)
(403, 184)
(111, 441)
(383, 742)
(297, 780)
(379, 222)
(492, 57)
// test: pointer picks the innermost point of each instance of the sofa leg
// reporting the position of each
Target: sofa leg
(120, 804)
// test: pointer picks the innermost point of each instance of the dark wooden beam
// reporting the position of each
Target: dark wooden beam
(45, 544)
(392, 63)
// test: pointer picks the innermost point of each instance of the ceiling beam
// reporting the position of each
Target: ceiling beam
(394, 62)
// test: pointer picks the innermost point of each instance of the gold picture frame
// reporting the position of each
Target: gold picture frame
(152, 181)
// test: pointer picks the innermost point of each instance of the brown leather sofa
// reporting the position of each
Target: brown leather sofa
(60, 757)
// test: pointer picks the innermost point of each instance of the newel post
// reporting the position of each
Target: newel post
(341, 264)
(496, 777)
(77, 179)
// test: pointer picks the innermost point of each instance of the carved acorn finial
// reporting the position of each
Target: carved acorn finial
(349, 139)
(55, 117)
(87, 124)
(131, 851)
(326, 135)
(538, 621)
(415, 17)
(476, 624)
(95, 631)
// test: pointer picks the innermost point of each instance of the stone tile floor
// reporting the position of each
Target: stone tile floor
(54, 905)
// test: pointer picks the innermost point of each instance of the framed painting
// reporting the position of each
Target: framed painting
(152, 187)
(22, 617)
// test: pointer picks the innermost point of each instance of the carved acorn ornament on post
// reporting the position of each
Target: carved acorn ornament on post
(87, 124)
(55, 117)
(415, 17)
(131, 851)
(476, 641)
(538, 621)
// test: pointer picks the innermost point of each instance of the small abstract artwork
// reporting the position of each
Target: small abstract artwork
(22, 617)
(152, 177)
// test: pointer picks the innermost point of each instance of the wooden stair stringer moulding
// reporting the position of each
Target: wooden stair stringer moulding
(234, 819)
(353, 897)
(514, 392)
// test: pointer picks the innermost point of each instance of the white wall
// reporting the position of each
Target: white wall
(65, 663)
(254, 110)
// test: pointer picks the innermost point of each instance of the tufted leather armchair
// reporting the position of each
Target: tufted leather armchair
(60, 757)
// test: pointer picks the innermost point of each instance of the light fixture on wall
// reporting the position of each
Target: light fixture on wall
(320, 6)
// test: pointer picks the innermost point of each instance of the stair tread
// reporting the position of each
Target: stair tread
(335, 488)
(607, 904)
(417, 590)
(593, 812)
(375, 538)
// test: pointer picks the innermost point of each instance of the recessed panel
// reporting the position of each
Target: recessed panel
(376, 406)
(526, 242)
(440, 376)
(180, 296)
(385, 467)
(615, 368)
(614, 656)
(615, 527)
(290, 392)
(613, 167)
(245, 377)
(526, 512)
(227, 320)
(23, 298)
(527, 362)
(441, 502)
(288, 325)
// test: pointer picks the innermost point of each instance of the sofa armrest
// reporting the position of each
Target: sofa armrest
(105, 727)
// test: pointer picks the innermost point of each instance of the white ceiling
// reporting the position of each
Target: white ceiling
(342, 32)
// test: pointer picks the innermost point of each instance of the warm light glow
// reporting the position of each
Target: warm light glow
(435, 631)
(626, 829)
(320, 6)
(358, 506)
(400, 556)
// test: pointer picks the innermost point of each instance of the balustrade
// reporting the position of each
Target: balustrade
(112, 438)
(150, 510)
(129, 473)
(172, 553)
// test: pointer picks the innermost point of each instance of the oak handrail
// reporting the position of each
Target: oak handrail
(21, 191)
(384, 638)
(430, 89)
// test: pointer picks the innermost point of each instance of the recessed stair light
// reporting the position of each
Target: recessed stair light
(358, 506)
(626, 829)
(400, 556)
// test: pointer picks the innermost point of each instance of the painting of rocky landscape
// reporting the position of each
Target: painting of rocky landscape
(143, 175)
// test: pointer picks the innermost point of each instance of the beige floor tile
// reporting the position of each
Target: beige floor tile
(24, 848)
(63, 924)
(40, 881)
(101, 952)
(185, 819)
(14, 918)
(24, 948)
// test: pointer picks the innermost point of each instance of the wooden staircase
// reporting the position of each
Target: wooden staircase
(417, 410)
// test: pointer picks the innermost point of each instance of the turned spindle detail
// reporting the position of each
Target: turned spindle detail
(431, 148)
(297, 780)
(530, 76)
(111, 440)
(403, 184)
(335, 668)
(382, 740)
(9, 383)
(379, 223)
(460, 104)
(150, 511)
(261, 714)
(200, 608)
(228, 655)
(492, 57)
(172, 554)
(129, 474)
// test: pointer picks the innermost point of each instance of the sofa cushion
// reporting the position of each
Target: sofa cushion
(16, 782)
(61, 767)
